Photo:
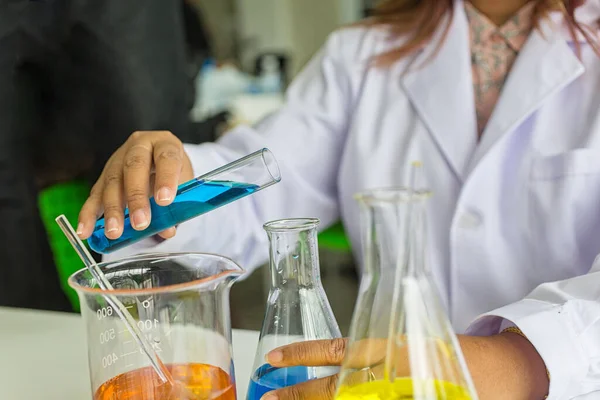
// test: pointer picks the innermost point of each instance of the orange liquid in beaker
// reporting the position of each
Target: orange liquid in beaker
(193, 382)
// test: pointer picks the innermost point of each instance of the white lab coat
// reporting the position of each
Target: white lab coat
(514, 223)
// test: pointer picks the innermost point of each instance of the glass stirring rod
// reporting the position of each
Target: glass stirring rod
(119, 308)
(402, 262)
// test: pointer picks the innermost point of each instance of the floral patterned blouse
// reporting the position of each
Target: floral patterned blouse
(493, 51)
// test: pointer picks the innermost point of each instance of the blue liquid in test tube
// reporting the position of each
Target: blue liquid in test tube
(198, 196)
(193, 198)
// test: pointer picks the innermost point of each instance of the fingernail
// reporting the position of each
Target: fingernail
(112, 225)
(140, 221)
(275, 356)
(164, 194)
(80, 228)
(270, 396)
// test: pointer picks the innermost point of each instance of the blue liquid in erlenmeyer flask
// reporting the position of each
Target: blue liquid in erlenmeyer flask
(193, 198)
(268, 378)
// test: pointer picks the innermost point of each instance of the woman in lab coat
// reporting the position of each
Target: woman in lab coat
(501, 102)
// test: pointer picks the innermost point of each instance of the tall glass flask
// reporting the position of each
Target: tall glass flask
(297, 306)
(402, 345)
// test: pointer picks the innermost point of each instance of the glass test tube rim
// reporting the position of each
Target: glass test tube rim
(268, 160)
(174, 288)
(291, 225)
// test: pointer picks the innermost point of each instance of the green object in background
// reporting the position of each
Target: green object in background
(64, 198)
(68, 198)
(334, 239)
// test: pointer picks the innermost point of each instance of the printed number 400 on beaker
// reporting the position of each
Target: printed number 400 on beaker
(179, 303)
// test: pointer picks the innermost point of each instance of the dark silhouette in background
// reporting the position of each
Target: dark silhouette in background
(77, 77)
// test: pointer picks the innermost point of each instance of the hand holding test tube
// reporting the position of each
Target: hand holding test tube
(222, 186)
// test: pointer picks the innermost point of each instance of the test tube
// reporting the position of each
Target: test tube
(205, 193)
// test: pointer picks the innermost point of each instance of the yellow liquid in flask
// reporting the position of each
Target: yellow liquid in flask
(401, 389)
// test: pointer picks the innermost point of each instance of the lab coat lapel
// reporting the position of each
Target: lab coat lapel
(439, 85)
(545, 65)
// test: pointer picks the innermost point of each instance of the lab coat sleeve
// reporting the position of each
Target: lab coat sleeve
(306, 137)
(562, 320)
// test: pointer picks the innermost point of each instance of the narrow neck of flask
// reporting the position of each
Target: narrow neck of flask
(294, 259)
(393, 232)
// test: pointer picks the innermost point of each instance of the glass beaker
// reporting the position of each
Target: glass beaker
(203, 194)
(181, 304)
(401, 342)
(297, 306)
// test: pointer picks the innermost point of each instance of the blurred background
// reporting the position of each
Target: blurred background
(272, 40)
(79, 77)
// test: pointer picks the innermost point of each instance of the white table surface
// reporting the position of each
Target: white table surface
(43, 355)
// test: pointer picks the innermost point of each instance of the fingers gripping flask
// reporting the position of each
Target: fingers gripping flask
(401, 344)
(297, 306)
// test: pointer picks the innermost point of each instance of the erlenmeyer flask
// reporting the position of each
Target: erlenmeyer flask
(402, 345)
(297, 306)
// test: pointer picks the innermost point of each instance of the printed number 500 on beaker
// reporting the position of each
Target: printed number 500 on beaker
(120, 335)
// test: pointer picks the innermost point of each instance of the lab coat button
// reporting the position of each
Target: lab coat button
(469, 220)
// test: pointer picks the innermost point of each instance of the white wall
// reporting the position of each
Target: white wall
(350, 11)
(263, 25)
(297, 27)
(313, 21)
